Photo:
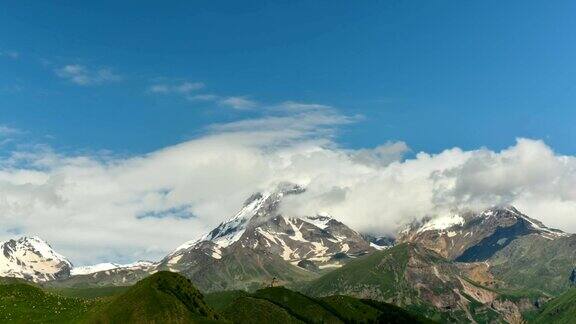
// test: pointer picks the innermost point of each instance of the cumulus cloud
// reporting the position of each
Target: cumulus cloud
(84, 76)
(96, 208)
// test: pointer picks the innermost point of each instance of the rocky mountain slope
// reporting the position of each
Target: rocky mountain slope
(501, 247)
(258, 244)
(411, 276)
(32, 259)
(259, 226)
(471, 237)
(495, 264)
(253, 247)
(537, 263)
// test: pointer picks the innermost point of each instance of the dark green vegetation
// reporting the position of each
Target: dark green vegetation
(255, 310)
(164, 297)
(559, 310)
(161, 298)
(281, 305)
(167, 297)
(350, 309)
(397, 285)
(90, 292)
(24, 303)
(221, 299)
(299, 305)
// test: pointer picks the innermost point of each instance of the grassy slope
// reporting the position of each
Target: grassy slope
(170, 298)
(254, 310)
(279, 305)
(353, 310)
(350, 308)
(536, 263)
(24, 303)
(381, 276)
(559, 310)
(298, 305)
(89, 292)
(163, 297)
(246, 270)
(221, 299)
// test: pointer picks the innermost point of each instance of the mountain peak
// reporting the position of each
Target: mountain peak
(257, 208)
(259, 226)
(33, 259)
(472, 236)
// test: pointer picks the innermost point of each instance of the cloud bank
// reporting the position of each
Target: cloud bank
(103, 208)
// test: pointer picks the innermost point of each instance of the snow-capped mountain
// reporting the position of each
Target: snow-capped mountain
(85, 270)
(259, 226)
(33, 259)
(258, 232)
(470, 236)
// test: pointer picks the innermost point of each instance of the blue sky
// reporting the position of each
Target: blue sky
(435, 74)
(159, 119)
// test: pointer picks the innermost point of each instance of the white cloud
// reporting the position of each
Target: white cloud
(203, 97)
(7, 131)
(10, 54)
(183, 88)
(96, 208)
(7, 134)
(189, 91)
(239, 103)
(84, 76)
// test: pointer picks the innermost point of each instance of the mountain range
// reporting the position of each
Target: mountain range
(497, 264)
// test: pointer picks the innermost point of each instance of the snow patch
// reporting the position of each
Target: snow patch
(442, 222)
(378, 247)
(321, 221)
(84, 270)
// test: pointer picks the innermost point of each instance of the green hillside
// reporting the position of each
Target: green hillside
(281, 305)
(222, 299)
(353, 310)
(24, 303)
(89, 292)
(537, 263)
(559, 310)
(167, 297)
(164, 297)
(246, 269)
(254, 310)
(300, 306)
(411, 277)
